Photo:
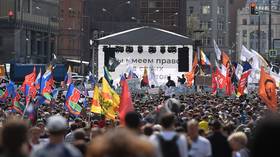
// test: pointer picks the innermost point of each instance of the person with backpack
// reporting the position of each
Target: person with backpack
(168, 143)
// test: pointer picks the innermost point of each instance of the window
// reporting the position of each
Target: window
(220, 41)
(244, 21)
(206, 41)
(205, 25)
(209, 24)
(220, 10)
(191, 10)
(220, 25)
(244, 33)
(254, 20)
(206, 9)
(263, 20)
(254, 41)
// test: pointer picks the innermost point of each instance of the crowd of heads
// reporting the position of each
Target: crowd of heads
(241, 120)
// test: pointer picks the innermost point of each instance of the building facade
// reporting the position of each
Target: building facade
(28, 30)
(72, 30)
(166, 14)
(248, 28)
(208, 21)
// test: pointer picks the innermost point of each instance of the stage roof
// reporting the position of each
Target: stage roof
(145, 36)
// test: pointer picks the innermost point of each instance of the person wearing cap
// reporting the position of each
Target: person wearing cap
(56, 126)
(219, 143)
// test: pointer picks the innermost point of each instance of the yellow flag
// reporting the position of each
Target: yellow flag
(106, 92)
(111, 100)
(95, 106)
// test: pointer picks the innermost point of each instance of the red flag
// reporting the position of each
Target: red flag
(190, 78)
(228, 85)
(267, 90)
(145, 77)
(28, 86)
(221, 79)
(214, 83)
(242, 82)
(190, 75)
(225, 60)
(126, 102)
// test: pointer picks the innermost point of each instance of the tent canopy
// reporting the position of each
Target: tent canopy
(145, 36)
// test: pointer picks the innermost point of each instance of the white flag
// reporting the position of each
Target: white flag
(152, 75)
(238, 71)
(258, 60)
(217, 50)
(245, 54)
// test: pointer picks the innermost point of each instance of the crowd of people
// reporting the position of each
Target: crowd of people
(191, 125)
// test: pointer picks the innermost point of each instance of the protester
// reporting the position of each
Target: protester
(69, 138)
(265, 137)
(182, 80)
(220, 146)
(120, 143)
(57, 127)
(132, 121)
(238, 142)
(34, 136)
(200, 146)
(14, 139)
(80, 141)
(168, 142)
(170, 83)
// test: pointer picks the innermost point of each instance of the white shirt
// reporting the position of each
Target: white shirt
(168, 135)
(200, 148)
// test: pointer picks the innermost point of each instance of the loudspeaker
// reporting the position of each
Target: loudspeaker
(183, 59)
(109, 53)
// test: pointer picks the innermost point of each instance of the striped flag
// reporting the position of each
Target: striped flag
(72, 98)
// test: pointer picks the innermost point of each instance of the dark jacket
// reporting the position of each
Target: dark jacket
(220, 145)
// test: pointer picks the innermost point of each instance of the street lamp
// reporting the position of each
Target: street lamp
(104, 10)
(156, 11)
